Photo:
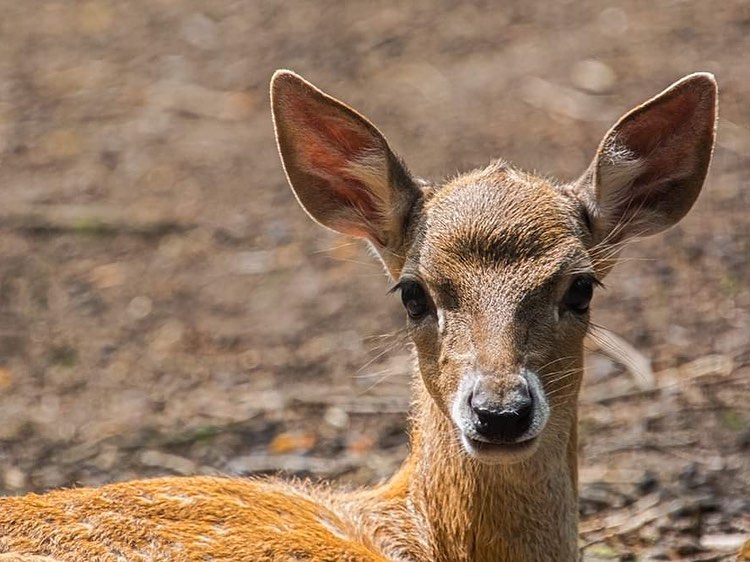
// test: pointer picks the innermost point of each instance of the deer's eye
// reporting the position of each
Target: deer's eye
(415, 299)
(578, 296)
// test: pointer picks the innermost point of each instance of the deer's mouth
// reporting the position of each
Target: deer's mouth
(499, 452)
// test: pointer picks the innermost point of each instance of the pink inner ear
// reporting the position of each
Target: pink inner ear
(661, 137)
(328, 143)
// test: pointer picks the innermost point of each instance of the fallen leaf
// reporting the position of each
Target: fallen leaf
(288, 442)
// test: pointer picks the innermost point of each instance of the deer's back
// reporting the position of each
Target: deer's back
(180, 519)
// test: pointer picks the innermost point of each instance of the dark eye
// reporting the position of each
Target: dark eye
(578, 296)
(415, 300)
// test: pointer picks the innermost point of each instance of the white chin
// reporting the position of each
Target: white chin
(495, 453)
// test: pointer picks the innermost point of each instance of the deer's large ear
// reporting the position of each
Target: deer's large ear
(339, 165)
(651, 165)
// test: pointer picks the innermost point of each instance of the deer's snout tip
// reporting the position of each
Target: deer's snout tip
(502, 421)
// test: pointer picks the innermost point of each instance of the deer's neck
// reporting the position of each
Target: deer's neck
(477, 512)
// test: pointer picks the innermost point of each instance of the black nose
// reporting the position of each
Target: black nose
(502, 422)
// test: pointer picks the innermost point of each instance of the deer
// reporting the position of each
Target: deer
(496, 269)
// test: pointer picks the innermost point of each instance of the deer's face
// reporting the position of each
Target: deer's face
(496, 268)
(496, 285)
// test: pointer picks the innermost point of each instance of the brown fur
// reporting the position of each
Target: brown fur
(496, 251)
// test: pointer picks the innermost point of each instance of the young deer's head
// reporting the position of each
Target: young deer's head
(497, 267)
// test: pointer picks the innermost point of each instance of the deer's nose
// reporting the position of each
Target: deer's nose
(502, 421)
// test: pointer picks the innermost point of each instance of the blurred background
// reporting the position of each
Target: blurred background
(167, 308)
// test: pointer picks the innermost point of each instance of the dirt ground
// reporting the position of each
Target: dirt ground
(166, 307)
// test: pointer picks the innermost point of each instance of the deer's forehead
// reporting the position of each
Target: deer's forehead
(503, 229)
(499, 219)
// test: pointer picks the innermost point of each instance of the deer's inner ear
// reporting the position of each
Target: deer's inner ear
(651, 165)
(339, 165)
